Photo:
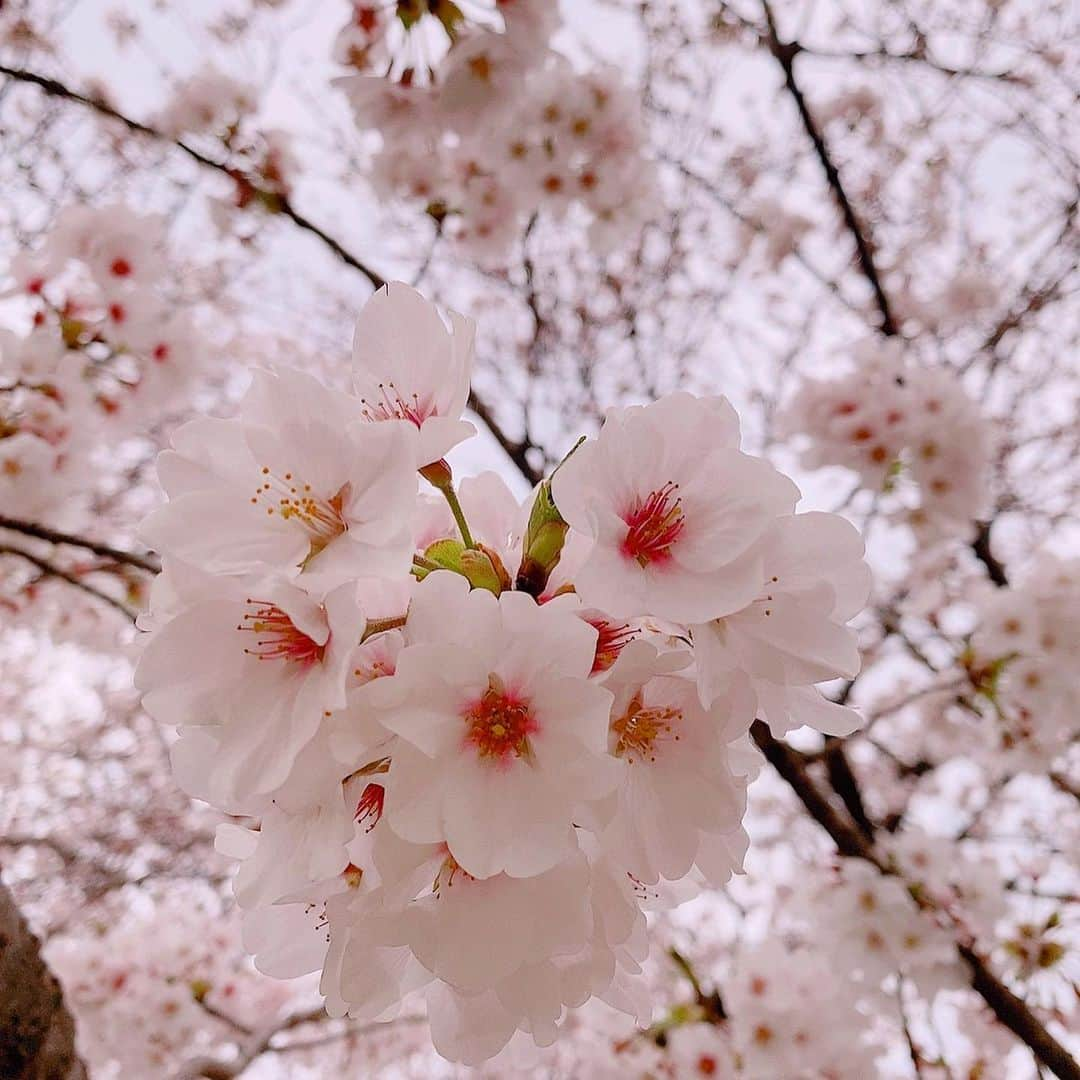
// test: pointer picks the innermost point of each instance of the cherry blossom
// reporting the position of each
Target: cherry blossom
(408, 366)
(674, 510)
(299, 484)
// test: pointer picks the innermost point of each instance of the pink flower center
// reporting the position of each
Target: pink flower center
(287, 496)
(653, 526)
(120, 267)
(370, 806)
(611, 639)
(393, 405)
(367, 18)
(276, 638)
(639, 729)
(498, 726)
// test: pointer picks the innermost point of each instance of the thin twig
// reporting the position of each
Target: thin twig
(277, 200)
(49, 570)
(41, 532)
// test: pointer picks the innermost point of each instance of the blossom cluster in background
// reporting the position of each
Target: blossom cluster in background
(101, 348)
(501, 128)
(908, 430)
(481, 739)
(1020, 662)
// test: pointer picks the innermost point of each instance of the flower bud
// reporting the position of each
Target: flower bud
(484, 569)
(543, 544)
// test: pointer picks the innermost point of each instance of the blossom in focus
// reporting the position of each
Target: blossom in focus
(674, 511)
(501, 734)
(408, 366)
(257, 661)
(299, 485)
(481, 739)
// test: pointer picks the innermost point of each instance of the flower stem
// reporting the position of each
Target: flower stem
(459, 515)
(440, 477)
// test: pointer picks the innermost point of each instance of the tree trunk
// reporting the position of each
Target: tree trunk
(37, 1033)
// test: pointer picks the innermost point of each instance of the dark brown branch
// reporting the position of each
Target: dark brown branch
(981, 546)
(1007, 1007)
(516, 449)
(279, 202)
(37, 1033)
(785, 53)
(843, 781)
(52, 536)
(48, 570)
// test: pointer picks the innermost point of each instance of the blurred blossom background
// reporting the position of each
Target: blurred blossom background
(854, 218)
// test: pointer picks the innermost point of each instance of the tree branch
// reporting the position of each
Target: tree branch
(1007, 1007)
(981, 546)
(37, 1033)
(49, 570)
(281, 204)
(785, 53)
(40, 532)
(517, 451)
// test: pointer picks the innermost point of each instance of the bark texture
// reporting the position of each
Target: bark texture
(37, 1033)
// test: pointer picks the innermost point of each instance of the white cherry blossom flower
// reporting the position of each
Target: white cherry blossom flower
(674, 510)
(299, 484)
(794, 633)
(501, 735)
(408, 366)
(260, 663)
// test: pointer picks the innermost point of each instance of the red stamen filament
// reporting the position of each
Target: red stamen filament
(278, 638)
(653, 526)
(370, 805)
(393, 406)
(611, 639)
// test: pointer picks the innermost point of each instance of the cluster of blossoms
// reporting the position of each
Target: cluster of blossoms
(98, 349)
(162, 984)
(773, 1015)
(505, 128)
(480, 738)
(1019, 660)
(207, 102)
(895, 422)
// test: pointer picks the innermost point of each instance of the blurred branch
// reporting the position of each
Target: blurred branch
(260, 1043)
(711, 1004)
(981, 546)
(40, 532)
(516, 450)
(1007, 1007)
(917, 55)
(277, 200)
(49, 570)
(255, 1046)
